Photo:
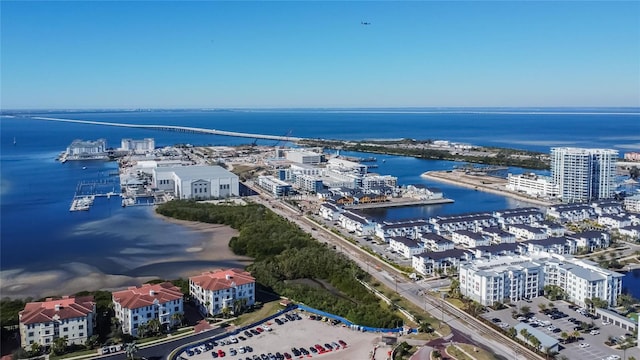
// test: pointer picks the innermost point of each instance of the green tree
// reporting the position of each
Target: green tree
(512, 332)
(564, 336)
(525, 309)
(154, 326)
(226, 311)
(177, 319)
(130, 349)
(92, 342)
(59, 346)
(36, 349)
(542, 307)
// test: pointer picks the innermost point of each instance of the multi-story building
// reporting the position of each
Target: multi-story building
(632, 156)
(215, 290)
(138, 146)
(532, 184)
(136, 306)
(469, 238)
(632, 203)
(274, 185)
(310, 183)
(70, 317)
(499, 236)
(407, 228)
(429, 263)
(197, 182)
(435, 242)
(405, 246)
(303, 156)
(571, 212)
(84, 149)
(501, 279)
(527, 232)
(524, 277)
(584, 174)
(357, 223)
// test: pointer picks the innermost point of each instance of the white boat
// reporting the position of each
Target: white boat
(81, 203)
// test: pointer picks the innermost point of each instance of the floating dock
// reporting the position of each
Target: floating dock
(82, 203)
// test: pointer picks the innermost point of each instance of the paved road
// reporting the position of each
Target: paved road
(455, 318)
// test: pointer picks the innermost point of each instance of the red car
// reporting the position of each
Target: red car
(344, 344)
(221, 353)
(259, 329)
(319, 348)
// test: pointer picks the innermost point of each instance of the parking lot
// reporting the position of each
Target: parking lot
(590, 343)
(273, 341)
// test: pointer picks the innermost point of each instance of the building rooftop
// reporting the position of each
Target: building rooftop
(222, 279)
(60, 309)
(147, 295)
(197, 172)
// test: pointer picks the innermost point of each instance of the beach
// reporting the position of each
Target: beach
(211, 251)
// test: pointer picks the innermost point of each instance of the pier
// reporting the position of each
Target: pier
(177, 128)
(88, 191)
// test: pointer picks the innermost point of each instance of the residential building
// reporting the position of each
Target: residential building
(584, 174)
(196, 182)
(86, 149)
(310, 183)
(430, 263)
(532, 185)
(632, 156)
(357, 223)
(409, 228)
(470, 239)
(632, 203)
(614, 221)
(138, 146)
(527, 232)
(136, 306)
(330, 211)
(405, 246)
(556, 245)
(274, 185)
(473, 222)
(591, 240)
(44, 321)
(499, 236)
(435, 242)
(519, 216)
(216, 290)
(571, 212)
(632, 232)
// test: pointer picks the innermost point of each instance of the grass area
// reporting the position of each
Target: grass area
(479, 354)
(266, 310)
(456, 353)
(456, 302)
(74, 354)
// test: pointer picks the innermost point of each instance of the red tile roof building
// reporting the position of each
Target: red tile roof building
(215, 290)
(137, 305)
(43, 322)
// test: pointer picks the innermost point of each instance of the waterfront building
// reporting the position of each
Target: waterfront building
(303, 156)
(430, 263)
(138, 146)
(527, 232)
(368, 198)
(371, 181)
(533, 185)
(422, 192)
(345, 166)
(435, 242)
(303, 169)
(632, 203)
(571, 212)
(216, 290)
(136, 306)
(196, 182)
(591, 240)
(86, 149)
(405, 246)
(470, 239)
(72, 318)
(584, 174)
(274, 186)
(357, 223)
(501, 279)
(308, 183)
(499, 236)
(408, 228)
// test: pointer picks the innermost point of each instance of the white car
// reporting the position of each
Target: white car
(594, 332)
(605, 323)
(584, 345)
(551, 328)
(613, 357)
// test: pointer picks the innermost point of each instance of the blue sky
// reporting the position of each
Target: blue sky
(212, 54)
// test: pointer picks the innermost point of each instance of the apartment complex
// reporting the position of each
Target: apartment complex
(70, 317)
(215, 290)
(512, 278)
(138, 305)
(584, 174)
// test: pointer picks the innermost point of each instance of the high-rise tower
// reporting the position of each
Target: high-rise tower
(584, 174)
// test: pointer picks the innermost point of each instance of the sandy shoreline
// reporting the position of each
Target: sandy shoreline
(493, 185)
(210, 252)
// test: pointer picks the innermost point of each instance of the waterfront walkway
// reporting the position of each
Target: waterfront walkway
(177, 128)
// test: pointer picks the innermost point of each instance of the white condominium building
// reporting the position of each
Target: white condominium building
(274, 185)
(70, 317)
(136, 306)
(584, 174)
(501, 279)
(533, 185)
(524, 277)
(215, 290)
(138, 146)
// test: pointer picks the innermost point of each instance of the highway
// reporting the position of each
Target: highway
(175, 128)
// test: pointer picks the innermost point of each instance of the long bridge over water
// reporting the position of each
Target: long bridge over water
(177, 128)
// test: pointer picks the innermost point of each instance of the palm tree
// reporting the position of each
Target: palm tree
(177, 318)
(525, 309)
(154, 326)
(59, 346)
(542, 307)
(225, 312)
(130, 349)
(36, 349)
(565, 336)
(512, 332)
(425, 327)
(575, 334)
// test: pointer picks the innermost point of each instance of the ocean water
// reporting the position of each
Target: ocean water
(38, 233)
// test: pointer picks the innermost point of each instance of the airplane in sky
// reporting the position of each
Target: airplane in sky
(365, 23)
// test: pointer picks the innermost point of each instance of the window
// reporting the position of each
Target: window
(176, 308)
(80, 327)
(65, 329)
(135, 318)
(46, 332)
(30, 334)
(81, 334)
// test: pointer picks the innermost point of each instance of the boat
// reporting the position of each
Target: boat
(84, 168)
(82, 203)
(14, 141)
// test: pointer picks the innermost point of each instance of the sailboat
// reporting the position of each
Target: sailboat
(14, 141)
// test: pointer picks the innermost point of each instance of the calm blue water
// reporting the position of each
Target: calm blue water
(38, 232)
